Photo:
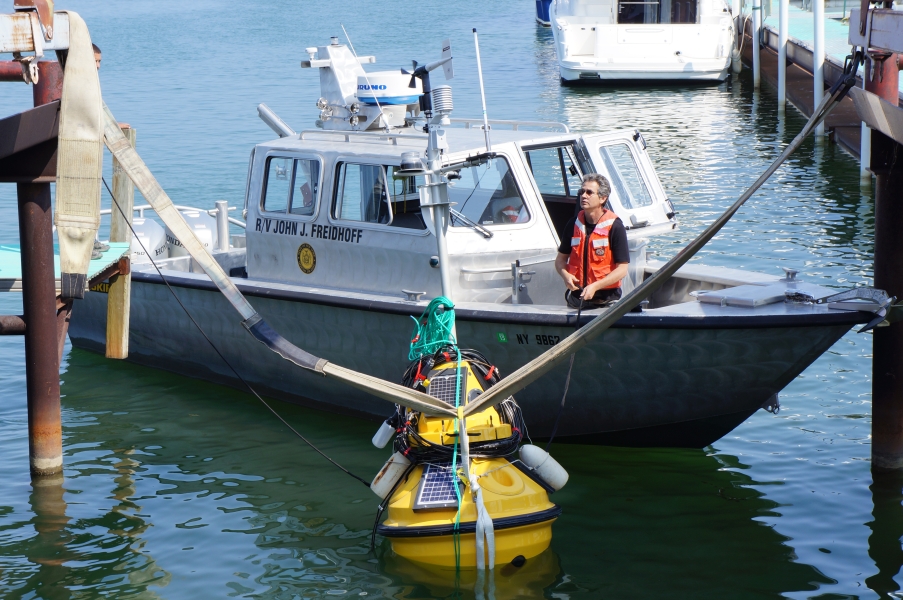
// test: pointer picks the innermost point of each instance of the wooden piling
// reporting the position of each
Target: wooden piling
(119, 296)
(881, 78)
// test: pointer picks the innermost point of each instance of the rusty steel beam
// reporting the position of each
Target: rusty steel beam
(28, 144)
(11, 71)
(44, 9)
(885, 33)
(42, 366)
(42, 313)
(122, 267)
(29, 128)
(17, 33)
(50, 83)
(881, 79)
(12, 325)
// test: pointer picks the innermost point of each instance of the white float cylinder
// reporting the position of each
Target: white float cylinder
(544, 465)
(382, 436)
(818, 62)
(783, 27)
(389, 475)
(203, 226)
(149, 236)
(222, 225)
(736, 59)
(865, 156)
(756, 50)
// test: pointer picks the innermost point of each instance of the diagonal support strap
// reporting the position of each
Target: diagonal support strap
(139, 173)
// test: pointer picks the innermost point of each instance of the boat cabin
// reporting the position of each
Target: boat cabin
(326, 209)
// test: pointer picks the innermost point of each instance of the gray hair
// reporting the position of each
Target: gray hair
(601, 181)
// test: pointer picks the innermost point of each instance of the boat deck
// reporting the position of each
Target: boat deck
(691, 314)
(11, 264)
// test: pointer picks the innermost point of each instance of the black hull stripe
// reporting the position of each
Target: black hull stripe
(628, 321)
(470, 526)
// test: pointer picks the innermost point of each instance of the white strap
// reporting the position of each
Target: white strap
(80, 157)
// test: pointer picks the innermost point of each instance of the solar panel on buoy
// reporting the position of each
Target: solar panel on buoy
(443, 386)
(437, 487)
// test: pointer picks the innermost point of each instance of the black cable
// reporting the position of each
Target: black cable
(215, 349)
(567, 384)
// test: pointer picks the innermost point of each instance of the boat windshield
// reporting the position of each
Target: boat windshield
(657, 11)
(628, 185)
(487, 194)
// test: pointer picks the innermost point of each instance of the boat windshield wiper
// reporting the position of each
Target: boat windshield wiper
(475, 226)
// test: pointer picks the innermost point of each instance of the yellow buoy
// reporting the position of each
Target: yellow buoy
(430, 521)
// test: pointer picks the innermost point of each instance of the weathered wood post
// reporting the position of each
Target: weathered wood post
(881, 78)
(119, 295)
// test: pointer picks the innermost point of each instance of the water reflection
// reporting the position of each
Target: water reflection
(48, 549)
(219, 477)
(887, 531)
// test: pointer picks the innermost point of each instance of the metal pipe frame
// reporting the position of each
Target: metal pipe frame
(42, 365)
(818, 61)
(783, 26)
(756, 43)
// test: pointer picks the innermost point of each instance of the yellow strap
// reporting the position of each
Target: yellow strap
(460, 413)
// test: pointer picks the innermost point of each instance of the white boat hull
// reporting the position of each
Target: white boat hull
(592, 44)
(713, 70)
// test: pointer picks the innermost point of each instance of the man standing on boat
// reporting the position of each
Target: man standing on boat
(594, 261)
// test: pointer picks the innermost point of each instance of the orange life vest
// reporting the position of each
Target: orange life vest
(600, 261)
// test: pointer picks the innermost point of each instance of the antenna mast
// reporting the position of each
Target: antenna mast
(367, 79)
(476, 43)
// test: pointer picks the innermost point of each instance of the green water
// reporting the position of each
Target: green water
(176, 488)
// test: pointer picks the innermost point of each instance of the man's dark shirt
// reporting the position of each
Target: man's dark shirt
(617, 240)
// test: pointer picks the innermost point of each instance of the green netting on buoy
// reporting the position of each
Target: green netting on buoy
(433, 329)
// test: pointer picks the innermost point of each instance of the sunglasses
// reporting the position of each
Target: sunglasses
(582, 191)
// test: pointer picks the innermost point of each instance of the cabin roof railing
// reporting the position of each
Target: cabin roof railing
(515, 125)
(364, 136)
(414, 137)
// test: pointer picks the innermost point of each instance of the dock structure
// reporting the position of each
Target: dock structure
(28, 158)
(868, 123)
(881, 32)
(812, 43)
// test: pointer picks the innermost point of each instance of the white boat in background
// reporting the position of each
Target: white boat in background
(642, 40)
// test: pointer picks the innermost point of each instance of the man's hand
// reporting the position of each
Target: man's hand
(561, 265)
(590, 290)
(617, 274)
(570, 281)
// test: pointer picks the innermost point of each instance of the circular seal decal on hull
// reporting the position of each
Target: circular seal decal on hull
(307, 258)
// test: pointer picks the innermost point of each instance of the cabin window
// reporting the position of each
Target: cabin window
(486, 194)
(655, 11)
(362, 194)
(558, 176)
(626, 179)
(291, 186)
(405, 200)
(371, 194)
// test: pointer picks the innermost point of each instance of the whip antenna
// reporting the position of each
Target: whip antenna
(367, 79)
(476, 43)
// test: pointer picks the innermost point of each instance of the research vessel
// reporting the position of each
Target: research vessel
(338, 257)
